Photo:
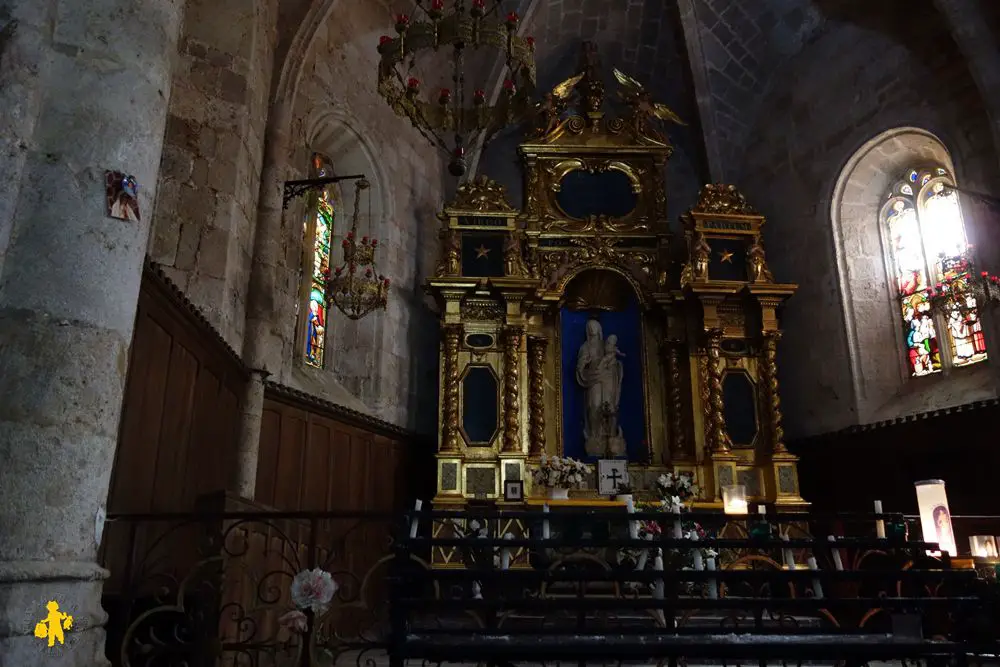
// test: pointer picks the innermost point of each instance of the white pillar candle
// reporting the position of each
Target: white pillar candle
(678, 533)
(699, 561)
(817, 584)
(633, 526)
(837, 563)
(415, 522)
(643, 557)
(787, 552)
(545, 523)
(879, 523)
(505, 553)
(477, 591)
(713, 584)
(658, 584)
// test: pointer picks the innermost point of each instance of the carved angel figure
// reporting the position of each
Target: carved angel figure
(547, 112)
(700, 254)
(643, 107)
(451, 259)
(757, 264)
(512, 259)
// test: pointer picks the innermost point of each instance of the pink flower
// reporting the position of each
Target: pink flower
(294, 621)
(313, 589)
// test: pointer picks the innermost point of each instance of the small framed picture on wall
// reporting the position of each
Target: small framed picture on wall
(513, 490)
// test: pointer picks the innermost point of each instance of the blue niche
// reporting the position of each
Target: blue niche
(583, 194)
(739, 408)
(480, 405)
(627, 325)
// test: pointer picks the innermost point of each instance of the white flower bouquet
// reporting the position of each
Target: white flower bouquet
(676, 490)
(555, 472)
(312, 589)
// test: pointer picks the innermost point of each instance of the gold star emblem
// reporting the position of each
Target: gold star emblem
(726, 256)
(482, 252)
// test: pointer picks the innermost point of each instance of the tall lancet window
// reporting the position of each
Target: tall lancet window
(926, 237)
(318, 230)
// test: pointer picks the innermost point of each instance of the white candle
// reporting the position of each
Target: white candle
(658, 584)
(879, 523)
(643, 557)
(629, 505)
(789, 556)
(633, 526)
(837, 563)
(545, 523)
(414, 522)
(713, 585)
(505, 553)
(817, 584)
(761, 510)
(477, 591)
(699, 562)
(678, 533)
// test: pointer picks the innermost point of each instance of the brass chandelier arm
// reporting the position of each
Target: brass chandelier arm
(295, 189)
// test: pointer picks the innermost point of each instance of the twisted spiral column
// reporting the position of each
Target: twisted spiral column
(449, 443)
(536, 394)
(718, 442)
(511, 397)
(774, 400)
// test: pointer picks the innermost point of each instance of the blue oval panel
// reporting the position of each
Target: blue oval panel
(480, 405)
(583, 194)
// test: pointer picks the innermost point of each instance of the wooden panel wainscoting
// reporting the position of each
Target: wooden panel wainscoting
(180, 415)
(847, 470)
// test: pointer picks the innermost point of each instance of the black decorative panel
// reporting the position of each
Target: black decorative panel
(786, 480)
(479, 340)
(728, 260)
(725, 476)
(480, 405)
(583, 194)
(480, 481)
(735, 346)
(449, 477)
(739, 408)
(511, 471)
(751, 480)
(482, 254)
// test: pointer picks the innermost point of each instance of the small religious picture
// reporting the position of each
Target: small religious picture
(513, 490)
(122, 195)
(611, 473)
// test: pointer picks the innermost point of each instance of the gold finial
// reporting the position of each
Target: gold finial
(722, 198)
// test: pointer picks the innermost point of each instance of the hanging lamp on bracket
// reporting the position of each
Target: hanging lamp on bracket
(356, 287)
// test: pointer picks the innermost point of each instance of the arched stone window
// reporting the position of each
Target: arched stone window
(318, 228)
(898, 231)
(929, 252)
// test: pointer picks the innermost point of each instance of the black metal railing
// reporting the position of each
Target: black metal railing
(567, 586)
(214, 588)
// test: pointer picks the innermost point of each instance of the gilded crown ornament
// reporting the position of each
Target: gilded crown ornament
(436, 37)
(356, 288)
(724, 199)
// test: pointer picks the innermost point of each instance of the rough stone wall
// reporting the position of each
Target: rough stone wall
(847, 86)
(210, 171)
(386, 363)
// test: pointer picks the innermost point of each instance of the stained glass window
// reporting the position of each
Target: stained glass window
(926, 237)
(318, 231)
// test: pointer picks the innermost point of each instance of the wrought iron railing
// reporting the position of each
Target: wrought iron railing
(569, 588)
(213, 588)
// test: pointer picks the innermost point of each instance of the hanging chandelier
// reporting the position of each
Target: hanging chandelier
(963, 287)
(435, 41)
(356, 288)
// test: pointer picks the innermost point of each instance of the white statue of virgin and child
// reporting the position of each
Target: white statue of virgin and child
(599, 371)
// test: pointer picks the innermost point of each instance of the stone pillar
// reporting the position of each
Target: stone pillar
(68, 292)
(262, 343)
(536, 393)
(449, 393)
(511, 390)
(771, 339)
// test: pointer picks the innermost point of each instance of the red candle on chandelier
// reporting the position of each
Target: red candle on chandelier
(479, 96)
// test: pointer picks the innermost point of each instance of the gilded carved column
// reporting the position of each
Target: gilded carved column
(449, 441)
(717, 439)
(536, 393)
(771, 339)
(511, 397)
(675, 400)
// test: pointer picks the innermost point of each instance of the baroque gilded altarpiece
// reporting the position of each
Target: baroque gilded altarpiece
(594, 237)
